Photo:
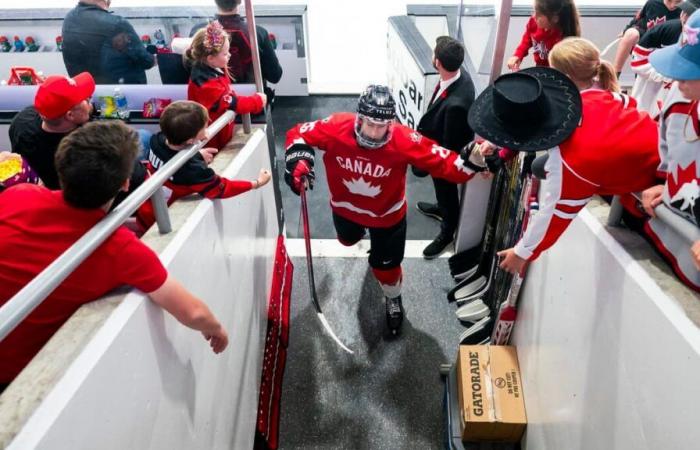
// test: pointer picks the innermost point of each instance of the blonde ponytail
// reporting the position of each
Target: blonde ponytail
(580, 59)
(607, 79)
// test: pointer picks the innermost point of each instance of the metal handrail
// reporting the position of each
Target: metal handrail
(682, 227)
(253, 36)
(257, 70)
(499, 49)
(30, 296)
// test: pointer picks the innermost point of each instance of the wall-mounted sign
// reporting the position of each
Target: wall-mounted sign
(411, 87)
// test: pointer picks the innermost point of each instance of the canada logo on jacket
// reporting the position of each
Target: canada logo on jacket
(683, 189)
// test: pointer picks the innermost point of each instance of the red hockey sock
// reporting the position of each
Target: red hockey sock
(389, 280)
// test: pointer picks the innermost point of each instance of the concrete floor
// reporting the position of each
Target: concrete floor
(389, 394)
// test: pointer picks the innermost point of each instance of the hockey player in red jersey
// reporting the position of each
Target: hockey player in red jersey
(366, 156)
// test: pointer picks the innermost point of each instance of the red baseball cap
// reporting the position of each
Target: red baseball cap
(58, 94)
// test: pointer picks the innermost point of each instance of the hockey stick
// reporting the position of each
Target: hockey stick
(481, 280)
(507, 313)
(480, 267)
(467, 262)
(310, 266)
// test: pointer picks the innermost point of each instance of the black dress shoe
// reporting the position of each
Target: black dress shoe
(439, 245)
(430, 209)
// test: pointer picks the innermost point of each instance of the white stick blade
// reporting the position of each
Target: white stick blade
(328, 328)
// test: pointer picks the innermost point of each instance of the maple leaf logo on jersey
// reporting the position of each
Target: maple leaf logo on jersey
(540, 48)
(683, 189)
(361, 187)
(654, 22)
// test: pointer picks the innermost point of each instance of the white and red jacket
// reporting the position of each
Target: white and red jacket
(679, 150)
(650, 88)
(613, 151)
(368, 186)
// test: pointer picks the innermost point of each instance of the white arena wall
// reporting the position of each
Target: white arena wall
(609, 359)
(144, 381)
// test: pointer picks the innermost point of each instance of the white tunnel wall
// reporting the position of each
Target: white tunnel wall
(608, 360)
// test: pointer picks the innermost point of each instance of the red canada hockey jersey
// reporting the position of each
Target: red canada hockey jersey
(540, 40)
(211, 88)
(613, 151)
(368, 186)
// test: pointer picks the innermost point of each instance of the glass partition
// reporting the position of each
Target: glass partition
(134, 44)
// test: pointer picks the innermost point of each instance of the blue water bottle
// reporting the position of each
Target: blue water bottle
(121, 104)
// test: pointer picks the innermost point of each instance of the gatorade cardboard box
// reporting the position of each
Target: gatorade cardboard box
(490, 393)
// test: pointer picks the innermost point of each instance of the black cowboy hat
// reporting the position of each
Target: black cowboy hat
(529, 110)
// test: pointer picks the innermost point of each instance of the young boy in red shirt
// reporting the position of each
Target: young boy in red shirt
(37, 225)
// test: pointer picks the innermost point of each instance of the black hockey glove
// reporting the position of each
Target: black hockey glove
(299, 165)
(472, 158)
(478, 163)
(494, 163)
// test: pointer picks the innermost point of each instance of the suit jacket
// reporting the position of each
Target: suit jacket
(445, 120)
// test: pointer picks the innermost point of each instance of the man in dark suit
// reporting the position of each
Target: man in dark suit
(445, 121)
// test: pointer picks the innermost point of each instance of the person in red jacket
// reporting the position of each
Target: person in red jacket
(182, 124)
(210, 82)
(611, 150)
(366, 156)
(553, 21)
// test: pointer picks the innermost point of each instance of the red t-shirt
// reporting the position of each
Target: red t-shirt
(37, 226)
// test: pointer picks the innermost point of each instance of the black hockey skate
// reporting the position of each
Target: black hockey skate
(394, 314)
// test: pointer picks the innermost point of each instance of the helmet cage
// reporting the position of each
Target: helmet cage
(376, 105)
(367, 141)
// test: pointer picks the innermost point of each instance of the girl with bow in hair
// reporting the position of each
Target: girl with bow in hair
(210, 83)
